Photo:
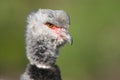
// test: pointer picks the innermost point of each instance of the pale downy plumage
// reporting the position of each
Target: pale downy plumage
(47, 32)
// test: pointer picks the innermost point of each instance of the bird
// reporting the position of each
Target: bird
(46, 32)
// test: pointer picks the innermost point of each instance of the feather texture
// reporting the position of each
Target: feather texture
(43, 43)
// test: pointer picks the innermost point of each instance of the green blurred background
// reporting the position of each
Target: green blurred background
(95, 27)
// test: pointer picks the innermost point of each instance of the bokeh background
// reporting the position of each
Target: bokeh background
(95, 27)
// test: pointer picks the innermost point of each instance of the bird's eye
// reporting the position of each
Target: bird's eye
(49, 25)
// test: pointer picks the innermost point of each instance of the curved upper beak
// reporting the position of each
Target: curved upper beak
(65, 34)
(69, 39)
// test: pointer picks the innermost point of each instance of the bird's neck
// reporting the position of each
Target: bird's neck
(35, 73)
(42, 53)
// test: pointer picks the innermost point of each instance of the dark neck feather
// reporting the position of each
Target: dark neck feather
(52, 73)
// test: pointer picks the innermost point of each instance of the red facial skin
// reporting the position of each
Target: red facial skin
(56, 29)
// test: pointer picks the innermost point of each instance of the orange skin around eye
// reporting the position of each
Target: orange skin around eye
(56, 29)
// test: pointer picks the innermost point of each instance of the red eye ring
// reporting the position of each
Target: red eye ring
(52, 26)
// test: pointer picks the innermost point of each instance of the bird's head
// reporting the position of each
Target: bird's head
(51, 25)
(47, 32)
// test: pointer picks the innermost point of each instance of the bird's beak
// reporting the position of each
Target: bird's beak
(67, 37)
